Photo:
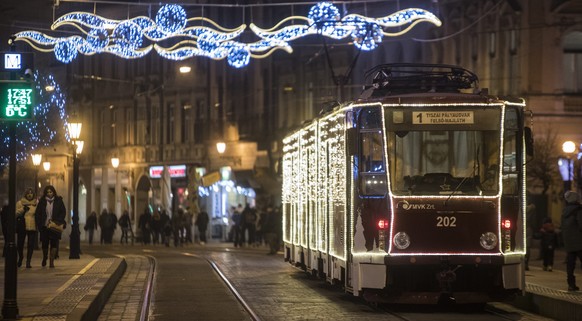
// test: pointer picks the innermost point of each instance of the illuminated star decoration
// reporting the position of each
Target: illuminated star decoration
(136, 37)
(47, 126)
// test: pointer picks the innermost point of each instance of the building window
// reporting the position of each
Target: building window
(170, 130)
(113, 127)
(155, 125)
(186, 122)
(572, 63)
(104, 129)
(129, 124)
(492, 44)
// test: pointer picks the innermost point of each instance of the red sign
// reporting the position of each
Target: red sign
(174, 170)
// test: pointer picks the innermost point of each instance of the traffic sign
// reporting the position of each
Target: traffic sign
(16, 61)
(16, 100)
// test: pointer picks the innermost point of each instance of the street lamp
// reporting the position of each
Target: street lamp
(115, 164)
(221, 147)
(75, 238)
(36, 159)
(567, 171)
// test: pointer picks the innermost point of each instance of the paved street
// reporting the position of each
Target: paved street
(186, 287)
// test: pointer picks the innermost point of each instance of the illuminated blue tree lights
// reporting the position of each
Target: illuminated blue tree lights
(136, 37)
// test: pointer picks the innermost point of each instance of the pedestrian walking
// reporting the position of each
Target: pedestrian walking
(249, 218)
(238, 236)
(50, 219)
(26, 226)
(105, 225)
(91, 226)
(549, 241)
(125, 225)
(202, 224)
(572, 234)
(112, 227)
(178, 227)
(188, 217)
(156, 227)
(145, 225)
(166, 224)
(272, 229)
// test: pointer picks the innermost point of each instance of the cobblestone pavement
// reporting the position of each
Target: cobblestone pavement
(278, 291)
(126, 302)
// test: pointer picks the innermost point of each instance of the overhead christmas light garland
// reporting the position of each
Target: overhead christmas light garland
(136, 37)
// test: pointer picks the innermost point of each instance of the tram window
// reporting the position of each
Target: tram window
(370, 118)
(371, 159)
(372, 167)
(443, 162)
(510, 170)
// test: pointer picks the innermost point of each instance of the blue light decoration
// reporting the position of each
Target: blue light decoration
(136, 37)
(48, 124)
(324, 19)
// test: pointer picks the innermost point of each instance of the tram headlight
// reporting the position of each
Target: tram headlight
(401, 240)
(488, 240)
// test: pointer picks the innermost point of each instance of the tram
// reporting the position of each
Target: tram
(413, 193)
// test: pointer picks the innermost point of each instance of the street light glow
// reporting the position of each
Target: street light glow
(568, 147)
(185, 69)
(115, 162)
(36, 159)
(221, 147)
(46, 166)
(79, 144)
(75, 130)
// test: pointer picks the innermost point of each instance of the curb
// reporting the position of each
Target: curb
(557, 308)
(93, 302)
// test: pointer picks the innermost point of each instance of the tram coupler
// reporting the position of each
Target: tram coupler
(446, 277)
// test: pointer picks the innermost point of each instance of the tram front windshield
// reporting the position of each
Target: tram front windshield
(445, 152)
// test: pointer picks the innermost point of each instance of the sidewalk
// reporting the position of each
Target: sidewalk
(78, 289)
(547, 292)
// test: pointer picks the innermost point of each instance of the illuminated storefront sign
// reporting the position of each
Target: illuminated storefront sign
(174, 170)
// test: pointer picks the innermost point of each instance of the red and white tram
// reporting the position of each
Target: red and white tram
(414, 193)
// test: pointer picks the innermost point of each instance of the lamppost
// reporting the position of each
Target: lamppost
(568, 148)
(75, 238)
(115, 164)
(36, 159)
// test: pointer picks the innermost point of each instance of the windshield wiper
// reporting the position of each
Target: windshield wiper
(456, 189)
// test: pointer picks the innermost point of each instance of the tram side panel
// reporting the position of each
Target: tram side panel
(290, 195)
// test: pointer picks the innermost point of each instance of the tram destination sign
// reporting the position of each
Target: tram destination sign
(442, 117)
(16, 100)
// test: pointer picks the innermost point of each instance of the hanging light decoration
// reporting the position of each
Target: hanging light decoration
(136, 37)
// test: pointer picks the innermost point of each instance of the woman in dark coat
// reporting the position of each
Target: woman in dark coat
(572, 234)
(50, 208)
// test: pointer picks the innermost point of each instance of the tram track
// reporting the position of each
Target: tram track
(239, 297)
(252, 314)
(145, 307)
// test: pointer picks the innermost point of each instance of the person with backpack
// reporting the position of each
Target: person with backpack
(572, 234)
